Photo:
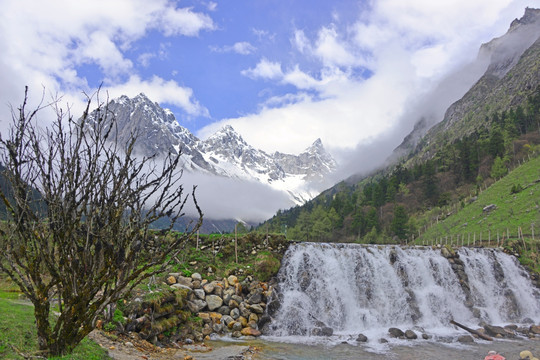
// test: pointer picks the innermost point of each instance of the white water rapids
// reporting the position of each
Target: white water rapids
(356, 289)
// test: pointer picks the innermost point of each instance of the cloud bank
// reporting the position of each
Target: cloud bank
(360, 86)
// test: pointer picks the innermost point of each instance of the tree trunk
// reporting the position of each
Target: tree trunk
(41, 313)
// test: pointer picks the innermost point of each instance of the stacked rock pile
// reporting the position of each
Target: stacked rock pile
(226, 305)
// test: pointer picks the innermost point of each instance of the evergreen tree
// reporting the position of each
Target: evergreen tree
(399, 222)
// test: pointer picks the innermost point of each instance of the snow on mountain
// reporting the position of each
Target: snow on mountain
(224, 154)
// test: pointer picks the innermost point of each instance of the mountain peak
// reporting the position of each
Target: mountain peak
(531, 16)
(317, 144)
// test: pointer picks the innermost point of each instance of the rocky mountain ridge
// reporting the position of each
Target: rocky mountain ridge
(224, 154)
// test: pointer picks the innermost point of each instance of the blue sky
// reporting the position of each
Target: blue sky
(282, 73)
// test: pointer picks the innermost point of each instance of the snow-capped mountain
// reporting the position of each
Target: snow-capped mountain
(224, 153)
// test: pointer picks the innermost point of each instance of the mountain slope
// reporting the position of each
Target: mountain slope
(223, 154)
(512, 75)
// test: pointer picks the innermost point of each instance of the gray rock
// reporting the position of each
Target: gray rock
(200, 293)
(465, 339)
(217, 328)
(235, 313)
(362, 338)
(411, 335)
(492, 330)
(213, 302)
(322, 331)
(244, 311)
(233, 304)
(255, 298)
(224, 310)
(396, 333)
(209, 288)
(226, 319)
(196, 305)
(237, 298)
(196, 276)
(256, 309)
(237, 326)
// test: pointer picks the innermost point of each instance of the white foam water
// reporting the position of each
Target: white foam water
(356, 289)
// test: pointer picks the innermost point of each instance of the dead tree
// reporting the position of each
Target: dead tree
(80, 207)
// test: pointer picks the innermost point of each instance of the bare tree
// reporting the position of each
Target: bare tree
(79, 212)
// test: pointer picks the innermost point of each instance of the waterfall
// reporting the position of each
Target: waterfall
(354, 289)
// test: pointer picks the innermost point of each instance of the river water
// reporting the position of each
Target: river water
(355, 289)
(395, 350)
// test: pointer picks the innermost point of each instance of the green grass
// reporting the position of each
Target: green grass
(513, 210)
(18, 331)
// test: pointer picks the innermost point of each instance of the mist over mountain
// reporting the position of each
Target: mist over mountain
(511, 73)
(235, 180)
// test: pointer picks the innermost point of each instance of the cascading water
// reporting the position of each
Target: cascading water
(355, 289)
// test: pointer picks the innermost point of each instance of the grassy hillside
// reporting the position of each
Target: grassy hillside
(518, 208)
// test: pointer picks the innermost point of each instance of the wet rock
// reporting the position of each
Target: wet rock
(237, 326)
(411, 335)
(255, 298)
(362, 338)
(535, 329)
(465, 339)
(492, 330)
(322, 331)
(248, 331)
(396, 333)
(257, 309)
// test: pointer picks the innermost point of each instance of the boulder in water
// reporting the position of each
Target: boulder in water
(362, 338)
(411, 335)
(396, 333)
(322, 331)
(465, 339)
(499, 331)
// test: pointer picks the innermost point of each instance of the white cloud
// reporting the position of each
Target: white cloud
(242, 48)
(331, 50)
(44, 43)
(406, 48)
(265, 69)
(184, 22)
